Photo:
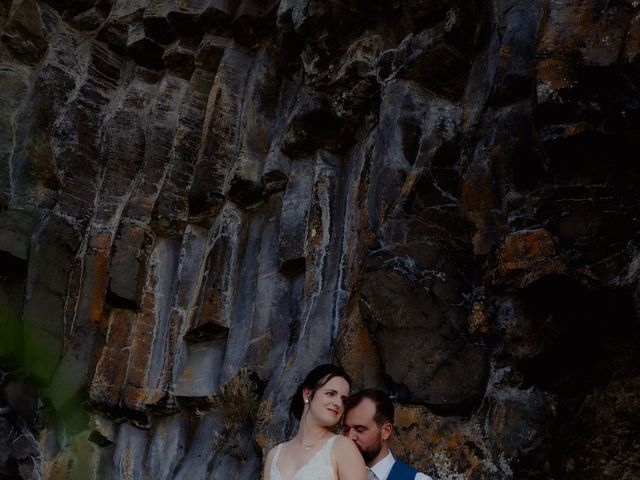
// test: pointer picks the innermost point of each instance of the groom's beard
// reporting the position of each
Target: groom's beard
(370, 453)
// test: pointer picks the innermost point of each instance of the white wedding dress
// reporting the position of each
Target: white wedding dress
(318, 467)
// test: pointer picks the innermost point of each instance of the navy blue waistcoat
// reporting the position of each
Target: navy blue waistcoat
(401, 471)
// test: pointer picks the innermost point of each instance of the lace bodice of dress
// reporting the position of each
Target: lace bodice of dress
(319, 466)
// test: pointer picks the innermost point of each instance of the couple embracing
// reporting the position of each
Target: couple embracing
(317, 453)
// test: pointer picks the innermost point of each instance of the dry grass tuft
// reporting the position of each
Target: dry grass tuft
(238, 400)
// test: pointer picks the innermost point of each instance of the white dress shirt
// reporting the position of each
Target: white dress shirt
(380, 471)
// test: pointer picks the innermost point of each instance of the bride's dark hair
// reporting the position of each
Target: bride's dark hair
(315, 379)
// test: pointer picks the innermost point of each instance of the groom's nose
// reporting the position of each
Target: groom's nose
(350, 433)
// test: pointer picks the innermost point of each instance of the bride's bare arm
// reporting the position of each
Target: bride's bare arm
(349, 460)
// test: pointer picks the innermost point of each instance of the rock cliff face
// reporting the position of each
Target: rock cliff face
(200, 200)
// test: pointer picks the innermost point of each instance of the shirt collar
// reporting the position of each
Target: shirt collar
(383, 467)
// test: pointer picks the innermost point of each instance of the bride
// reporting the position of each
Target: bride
(316, 452)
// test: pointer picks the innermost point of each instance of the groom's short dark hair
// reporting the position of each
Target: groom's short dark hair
(384, 405)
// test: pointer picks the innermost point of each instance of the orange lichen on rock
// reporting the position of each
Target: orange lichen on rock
(100, 272)
(526, 255)
(443, 447)
(525, 248)
(111, 369)
(356, 351)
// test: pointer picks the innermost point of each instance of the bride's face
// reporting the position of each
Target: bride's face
(327, 404)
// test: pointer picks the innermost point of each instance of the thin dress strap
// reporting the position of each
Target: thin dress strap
(274, 473)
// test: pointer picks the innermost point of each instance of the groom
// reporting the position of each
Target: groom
(368, 421)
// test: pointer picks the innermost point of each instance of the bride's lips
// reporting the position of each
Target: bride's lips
(335, 412)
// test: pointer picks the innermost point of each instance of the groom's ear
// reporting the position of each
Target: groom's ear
(386, 431)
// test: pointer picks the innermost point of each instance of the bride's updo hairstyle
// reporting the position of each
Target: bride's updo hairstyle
(314, 380)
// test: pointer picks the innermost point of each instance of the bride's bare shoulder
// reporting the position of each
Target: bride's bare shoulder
(274, 449)
(267, 464)
(348, 459)
(271, 454)
(345, 446)
(341, 441)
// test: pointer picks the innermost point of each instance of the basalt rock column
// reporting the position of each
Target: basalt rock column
(201, 200)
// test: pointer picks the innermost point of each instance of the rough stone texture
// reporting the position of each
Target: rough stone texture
(201, 200)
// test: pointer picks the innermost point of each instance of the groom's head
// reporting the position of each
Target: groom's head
(368, 421)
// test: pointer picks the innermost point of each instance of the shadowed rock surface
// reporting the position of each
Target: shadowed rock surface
(201, 200)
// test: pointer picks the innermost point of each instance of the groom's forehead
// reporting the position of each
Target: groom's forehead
(365, 409)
